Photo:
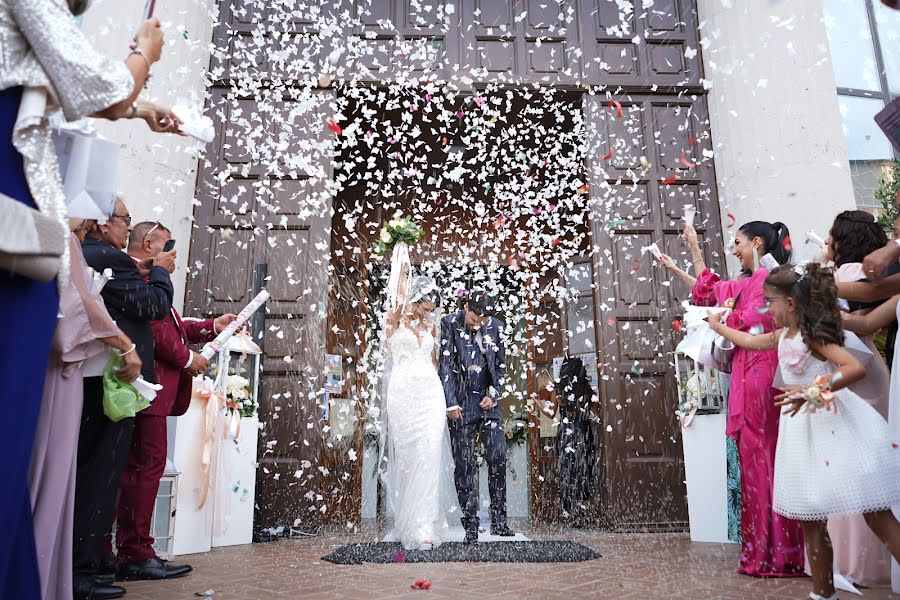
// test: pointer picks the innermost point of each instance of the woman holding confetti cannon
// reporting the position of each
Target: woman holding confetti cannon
(771, 545)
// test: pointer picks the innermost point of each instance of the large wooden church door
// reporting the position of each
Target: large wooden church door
(262, 220)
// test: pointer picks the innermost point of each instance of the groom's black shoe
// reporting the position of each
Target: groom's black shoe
(472, 536)
(502, 530)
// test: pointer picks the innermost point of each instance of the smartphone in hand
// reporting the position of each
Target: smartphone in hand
(167, 247)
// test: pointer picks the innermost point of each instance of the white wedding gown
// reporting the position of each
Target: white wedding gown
(417, 443)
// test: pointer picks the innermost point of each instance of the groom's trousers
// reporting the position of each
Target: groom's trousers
(462, 439)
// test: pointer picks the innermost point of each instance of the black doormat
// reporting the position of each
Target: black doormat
(527, 552)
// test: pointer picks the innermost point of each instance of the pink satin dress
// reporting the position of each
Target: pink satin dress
(771, 545)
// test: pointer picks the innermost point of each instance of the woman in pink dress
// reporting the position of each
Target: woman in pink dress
(771, 545)
(858, 553)
(83, 331)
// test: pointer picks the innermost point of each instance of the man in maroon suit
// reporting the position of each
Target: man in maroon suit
(176, 366)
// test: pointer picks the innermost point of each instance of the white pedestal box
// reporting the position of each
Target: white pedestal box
(193, 525)
(705, 468)
(235, 487)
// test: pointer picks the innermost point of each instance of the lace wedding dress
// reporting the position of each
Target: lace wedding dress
(417, 442)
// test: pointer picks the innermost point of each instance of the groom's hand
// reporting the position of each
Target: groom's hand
(454, 415)
(487, 403)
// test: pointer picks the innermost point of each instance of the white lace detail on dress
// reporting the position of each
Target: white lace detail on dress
(419, 463)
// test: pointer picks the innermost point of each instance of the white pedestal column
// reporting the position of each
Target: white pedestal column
(779, 149)
(705, 469)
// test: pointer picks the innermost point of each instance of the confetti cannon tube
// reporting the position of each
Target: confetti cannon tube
(214, 346)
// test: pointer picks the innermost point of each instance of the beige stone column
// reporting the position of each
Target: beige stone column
(157, 173)
(780, 153)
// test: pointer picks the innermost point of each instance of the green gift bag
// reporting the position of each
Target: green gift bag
(120, 399)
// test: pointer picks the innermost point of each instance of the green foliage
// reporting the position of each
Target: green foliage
(886, 194)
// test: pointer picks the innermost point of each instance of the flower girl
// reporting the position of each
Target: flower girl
(836, 455)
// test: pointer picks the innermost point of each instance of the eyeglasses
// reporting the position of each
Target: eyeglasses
(125, 218)
(152, 229)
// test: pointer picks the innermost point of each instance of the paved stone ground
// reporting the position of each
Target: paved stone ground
(633, 566)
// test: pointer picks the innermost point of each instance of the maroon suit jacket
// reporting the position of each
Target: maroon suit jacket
(171, 337)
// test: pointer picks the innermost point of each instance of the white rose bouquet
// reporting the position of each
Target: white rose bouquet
(399, 229)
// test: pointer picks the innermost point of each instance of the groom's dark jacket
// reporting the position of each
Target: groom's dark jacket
(455, 362)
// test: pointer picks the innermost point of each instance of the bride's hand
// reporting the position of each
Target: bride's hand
(454, 415)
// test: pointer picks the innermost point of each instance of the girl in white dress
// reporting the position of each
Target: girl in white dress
(836, 455)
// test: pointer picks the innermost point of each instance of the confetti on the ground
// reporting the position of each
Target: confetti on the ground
(399, 557)
(421, 584)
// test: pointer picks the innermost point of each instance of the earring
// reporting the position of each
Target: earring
(755, 259)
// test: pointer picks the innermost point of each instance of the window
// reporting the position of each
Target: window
(861, 34)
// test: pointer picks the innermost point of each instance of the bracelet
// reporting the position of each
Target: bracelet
(696, 260)
(130, 350)
(134, 110)
(140, 52)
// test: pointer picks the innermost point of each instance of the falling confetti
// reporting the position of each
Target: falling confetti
(684, 161)
(334, 127)
(786, 244)
(731, 220)
(608, 155)
(618, 106)
(669, 180)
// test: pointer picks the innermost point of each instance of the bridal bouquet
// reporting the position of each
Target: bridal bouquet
(399, 229)
(239, 397)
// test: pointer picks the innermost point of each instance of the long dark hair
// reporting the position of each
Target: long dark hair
(815, 295)
(854, 234)
(573, 380)
(775, 238)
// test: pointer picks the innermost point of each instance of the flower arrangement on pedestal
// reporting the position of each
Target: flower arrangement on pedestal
(239, 396)
(701, 390)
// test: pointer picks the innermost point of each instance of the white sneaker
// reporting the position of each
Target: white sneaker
(815, 596)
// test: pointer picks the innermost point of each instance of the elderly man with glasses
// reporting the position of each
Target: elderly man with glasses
(133, 302)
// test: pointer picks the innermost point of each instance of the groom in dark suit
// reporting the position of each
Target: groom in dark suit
(472, 371)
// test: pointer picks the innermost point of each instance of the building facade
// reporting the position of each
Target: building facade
(730, 107)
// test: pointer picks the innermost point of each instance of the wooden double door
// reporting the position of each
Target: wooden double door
(266, 190)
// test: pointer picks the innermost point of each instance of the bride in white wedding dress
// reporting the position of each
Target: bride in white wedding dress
(417, 448)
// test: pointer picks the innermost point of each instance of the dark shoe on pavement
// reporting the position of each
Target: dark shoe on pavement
(108, 566)
(84, 588)
(152, 568)
(104, 580)
(472, 536)
(502, 530)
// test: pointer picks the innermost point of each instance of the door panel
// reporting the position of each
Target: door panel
(263, 200)
(644, 473)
